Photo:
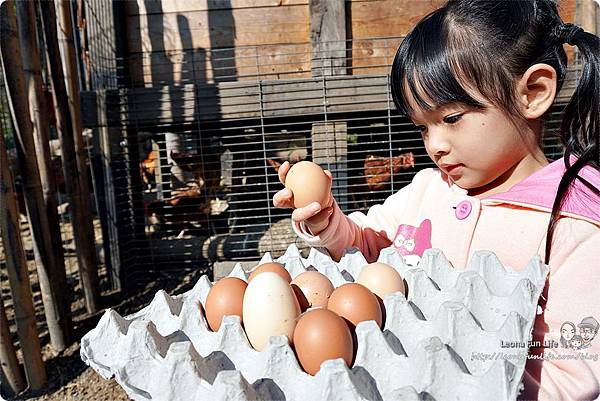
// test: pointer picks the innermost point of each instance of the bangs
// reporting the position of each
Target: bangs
(424, 65)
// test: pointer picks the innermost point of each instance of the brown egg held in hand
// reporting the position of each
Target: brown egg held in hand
(271, 267)
(225, 298)
(321, 335)
(315, 289)
(355, 303)
(308, 183)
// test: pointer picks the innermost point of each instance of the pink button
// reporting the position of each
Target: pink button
(463, 210)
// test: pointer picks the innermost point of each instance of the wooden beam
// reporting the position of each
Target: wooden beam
(168, 105)
(328, 37)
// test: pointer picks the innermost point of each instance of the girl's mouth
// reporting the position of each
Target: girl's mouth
(452, 168)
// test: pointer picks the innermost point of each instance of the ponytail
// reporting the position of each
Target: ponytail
(580, 126)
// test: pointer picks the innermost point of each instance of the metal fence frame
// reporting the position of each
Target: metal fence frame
(120, 111)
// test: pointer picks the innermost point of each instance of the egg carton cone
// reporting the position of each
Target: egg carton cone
(444, 340)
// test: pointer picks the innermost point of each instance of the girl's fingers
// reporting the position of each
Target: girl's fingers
(283, 198)
(306, 212)
(283, 170)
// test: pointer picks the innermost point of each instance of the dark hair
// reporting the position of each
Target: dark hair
(452, 52)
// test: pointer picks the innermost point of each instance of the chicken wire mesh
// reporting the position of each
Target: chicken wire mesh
(190, 141)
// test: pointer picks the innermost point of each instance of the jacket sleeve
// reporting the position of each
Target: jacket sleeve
(571, 294)
(369, 233)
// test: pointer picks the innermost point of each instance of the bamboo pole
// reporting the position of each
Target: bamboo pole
(66, 43)
(41, 211)
(81, 217)
(11, 379)
(18, 276)
(75, 79)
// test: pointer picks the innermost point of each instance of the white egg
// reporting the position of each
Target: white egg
(270, 308)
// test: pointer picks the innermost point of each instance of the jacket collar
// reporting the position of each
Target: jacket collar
(539, 190)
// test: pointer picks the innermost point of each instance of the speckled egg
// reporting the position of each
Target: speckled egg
(313, 289)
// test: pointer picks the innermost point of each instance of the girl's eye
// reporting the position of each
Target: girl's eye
(452, 119)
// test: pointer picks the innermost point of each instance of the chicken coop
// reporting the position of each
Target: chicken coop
(194, 105)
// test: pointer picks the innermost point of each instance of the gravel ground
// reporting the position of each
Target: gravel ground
(69, 379)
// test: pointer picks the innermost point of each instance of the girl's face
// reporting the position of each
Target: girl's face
(480, 150)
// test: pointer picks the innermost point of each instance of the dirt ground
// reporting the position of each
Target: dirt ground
(69, 379)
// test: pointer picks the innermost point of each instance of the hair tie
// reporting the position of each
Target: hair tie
(566, 33)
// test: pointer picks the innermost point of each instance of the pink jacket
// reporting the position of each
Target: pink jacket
(433, 212)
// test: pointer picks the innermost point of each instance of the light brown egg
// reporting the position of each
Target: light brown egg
(308, 184)
(226, 297)
(382, 279)
(271, 267)
(321, 335)
(355, 303)
(314, 289)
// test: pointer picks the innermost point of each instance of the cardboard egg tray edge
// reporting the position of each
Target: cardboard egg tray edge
(166, 351)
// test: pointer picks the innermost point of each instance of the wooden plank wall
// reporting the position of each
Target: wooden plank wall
(184, 40)
(179, 41)
(367, 19)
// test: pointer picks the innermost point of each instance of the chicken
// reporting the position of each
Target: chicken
(379, 170)
(195, 164)
(185, 207)
(148, 168)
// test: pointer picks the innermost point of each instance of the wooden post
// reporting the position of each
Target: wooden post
(587, 17)
(11, 379)
(330, 151)
(66, 43)
(18, 276)
(77, 80)
(328, 37)
(21, 79)
(80, 212)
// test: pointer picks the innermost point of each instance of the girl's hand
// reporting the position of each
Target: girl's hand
(284, 199)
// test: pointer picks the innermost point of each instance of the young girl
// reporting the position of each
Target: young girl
(477, 78)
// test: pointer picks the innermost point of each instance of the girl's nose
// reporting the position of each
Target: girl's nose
(437, 143)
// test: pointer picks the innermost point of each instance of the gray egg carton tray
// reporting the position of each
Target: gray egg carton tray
(446, 340)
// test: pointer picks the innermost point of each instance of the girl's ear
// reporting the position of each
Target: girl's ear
(536, 90)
